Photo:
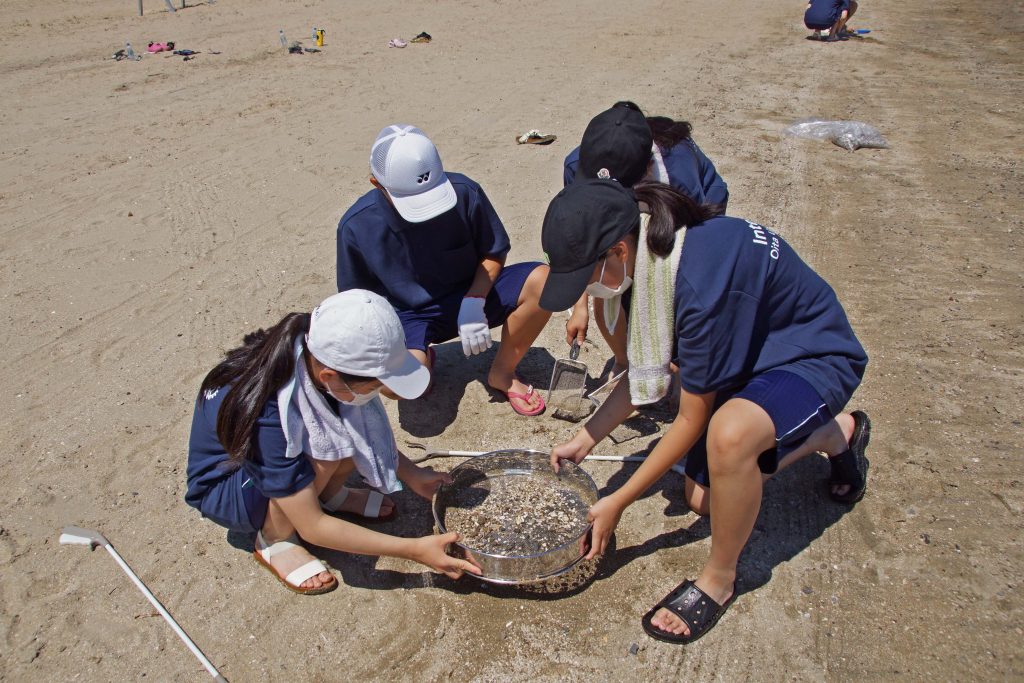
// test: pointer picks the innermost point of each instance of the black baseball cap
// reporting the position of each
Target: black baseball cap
(617, 144)
(583, 221)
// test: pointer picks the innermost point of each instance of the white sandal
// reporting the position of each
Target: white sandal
(293, 581)
(371, 511)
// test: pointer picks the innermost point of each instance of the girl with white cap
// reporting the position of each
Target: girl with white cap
(284, 419)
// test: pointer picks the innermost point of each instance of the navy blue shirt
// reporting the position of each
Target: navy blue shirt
(746, 303)
(689, 171)
(273, 475)
(413, 265)
(823, 13)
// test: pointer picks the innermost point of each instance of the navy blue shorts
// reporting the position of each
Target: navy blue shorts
(439, 321)
(255, 506)
(235, 503)
(794, 407)
(822, 15)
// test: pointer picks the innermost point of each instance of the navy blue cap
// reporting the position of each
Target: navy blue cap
(617, 144)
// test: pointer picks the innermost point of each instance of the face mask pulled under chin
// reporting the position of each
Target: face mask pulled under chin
(599, 290)
(359, 400)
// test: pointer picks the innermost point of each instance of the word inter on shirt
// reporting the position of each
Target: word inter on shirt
(761, 235)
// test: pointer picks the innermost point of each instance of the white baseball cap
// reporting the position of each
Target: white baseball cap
(358, 332)
(406, 163)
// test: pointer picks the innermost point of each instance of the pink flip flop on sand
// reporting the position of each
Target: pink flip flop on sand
(525, 398)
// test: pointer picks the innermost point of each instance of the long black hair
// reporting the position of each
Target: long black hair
(670, 210)
(255, 371)
(668, 132)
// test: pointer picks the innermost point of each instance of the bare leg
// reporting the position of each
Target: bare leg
(844, 17)
(738, 433)
(330, 478)
(850, 13)
(329, 475)
(698, 497)
(424, 360)
(831, 438)
(422, 357)
(728, 536)
(517, 336)
(277, 528)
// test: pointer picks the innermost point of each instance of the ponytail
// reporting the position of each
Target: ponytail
(668, 132)
(255, 371)
(670, 210)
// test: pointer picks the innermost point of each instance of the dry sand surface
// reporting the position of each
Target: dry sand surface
(153, 212)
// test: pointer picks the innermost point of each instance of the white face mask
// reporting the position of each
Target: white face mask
(359, 399)
(599, 290)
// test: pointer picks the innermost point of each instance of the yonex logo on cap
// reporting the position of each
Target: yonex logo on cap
(406, 164)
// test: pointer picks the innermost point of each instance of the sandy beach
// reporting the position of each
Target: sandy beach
(152, 212)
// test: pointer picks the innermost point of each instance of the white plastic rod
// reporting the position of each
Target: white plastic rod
(678, 469)
(78, 536)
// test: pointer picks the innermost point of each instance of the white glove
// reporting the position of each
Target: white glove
(473, 329)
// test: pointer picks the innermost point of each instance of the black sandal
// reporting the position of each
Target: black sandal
(693, 606)
(850, 467)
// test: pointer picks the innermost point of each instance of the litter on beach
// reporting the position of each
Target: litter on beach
(850, 135)
(535, 137)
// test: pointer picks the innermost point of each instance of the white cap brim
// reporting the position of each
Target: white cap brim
(417, 208)
(409, 380)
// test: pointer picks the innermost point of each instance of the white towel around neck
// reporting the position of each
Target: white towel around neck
(362, 433)
(652, 314)
(613, 306)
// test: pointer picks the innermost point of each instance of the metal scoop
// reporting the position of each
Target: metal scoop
(568, 379)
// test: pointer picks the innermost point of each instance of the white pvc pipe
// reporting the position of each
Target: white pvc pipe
(165, 614)
(80, 536)
(678, 469)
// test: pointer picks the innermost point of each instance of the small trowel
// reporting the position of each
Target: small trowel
(568, 380)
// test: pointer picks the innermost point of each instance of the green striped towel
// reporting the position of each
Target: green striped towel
(651, 319)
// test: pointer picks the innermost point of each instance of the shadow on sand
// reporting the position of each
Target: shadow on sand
(430, 415)
(795, 511)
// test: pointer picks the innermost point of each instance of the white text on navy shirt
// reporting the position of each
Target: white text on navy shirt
(761, 235)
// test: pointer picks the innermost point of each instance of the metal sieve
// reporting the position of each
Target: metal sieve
(481, 472)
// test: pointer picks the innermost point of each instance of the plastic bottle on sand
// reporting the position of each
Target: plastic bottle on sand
(129, 53)
(284, 41)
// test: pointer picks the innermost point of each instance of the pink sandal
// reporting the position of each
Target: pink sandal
(525, 398)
